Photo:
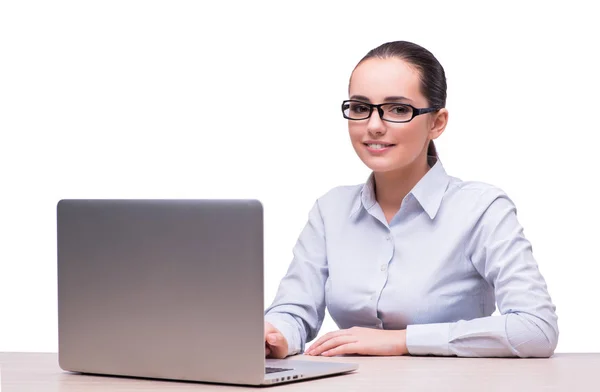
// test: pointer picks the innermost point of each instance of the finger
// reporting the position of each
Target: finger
(269, 329)
(267, 351)
(273, 339)
(332, 343)
(326, 337)
(277, 345)
(349, 348)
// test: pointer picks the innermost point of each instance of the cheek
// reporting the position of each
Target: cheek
(356, 132)
(409, 134)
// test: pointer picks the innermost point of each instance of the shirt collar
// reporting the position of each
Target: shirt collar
(429, 191)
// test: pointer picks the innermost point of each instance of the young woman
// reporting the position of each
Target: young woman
(414, 260)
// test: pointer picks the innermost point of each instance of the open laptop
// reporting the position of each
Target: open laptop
(168, 289)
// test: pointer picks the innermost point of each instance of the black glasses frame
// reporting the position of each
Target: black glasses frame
(415, 111)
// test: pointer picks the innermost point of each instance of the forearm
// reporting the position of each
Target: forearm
(499, 251)
(299, 305)
(399, 341)
(509, 335)
(290, 328)
(298, 321)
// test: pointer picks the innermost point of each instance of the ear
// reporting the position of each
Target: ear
(438, 124)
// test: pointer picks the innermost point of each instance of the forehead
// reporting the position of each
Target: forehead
(379, 78)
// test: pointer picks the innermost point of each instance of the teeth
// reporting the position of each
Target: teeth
(378, 146)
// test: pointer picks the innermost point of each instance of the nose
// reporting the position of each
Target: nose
(376, 125)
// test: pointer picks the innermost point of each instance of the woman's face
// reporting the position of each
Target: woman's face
(391, 80)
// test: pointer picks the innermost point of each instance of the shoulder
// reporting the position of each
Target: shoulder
(341, 193)
(340, 200)
(481, 203)
(476, 192)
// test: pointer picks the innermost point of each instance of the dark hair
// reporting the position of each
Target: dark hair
(431, 72)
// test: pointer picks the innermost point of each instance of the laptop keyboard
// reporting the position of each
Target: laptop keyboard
(269, 370)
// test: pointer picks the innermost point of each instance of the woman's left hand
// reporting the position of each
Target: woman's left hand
(362, 341)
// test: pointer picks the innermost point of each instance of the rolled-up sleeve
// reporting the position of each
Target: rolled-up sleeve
(527, 325)
(298, 309)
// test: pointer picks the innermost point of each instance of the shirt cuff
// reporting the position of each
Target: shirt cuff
(288, 330)
(428, 339)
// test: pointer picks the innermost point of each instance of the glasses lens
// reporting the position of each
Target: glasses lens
(356, 110)
(396, 112)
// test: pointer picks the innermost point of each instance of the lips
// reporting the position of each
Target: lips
(378, 148)
(378, 145)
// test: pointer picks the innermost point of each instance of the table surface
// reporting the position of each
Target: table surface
(39, 372)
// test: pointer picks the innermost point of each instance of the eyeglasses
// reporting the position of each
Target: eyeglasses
(392, 112)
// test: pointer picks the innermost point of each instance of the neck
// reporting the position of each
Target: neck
(391, 187)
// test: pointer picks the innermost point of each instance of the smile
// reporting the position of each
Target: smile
(378, 146)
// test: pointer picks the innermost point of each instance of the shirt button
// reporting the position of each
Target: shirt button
(388, 238)
(383, 267)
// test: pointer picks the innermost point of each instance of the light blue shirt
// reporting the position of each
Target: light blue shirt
(452, 251)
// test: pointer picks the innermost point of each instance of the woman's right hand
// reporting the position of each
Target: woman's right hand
(276, 345)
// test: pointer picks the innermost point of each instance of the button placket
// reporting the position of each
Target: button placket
(388, 238)
(383, 275)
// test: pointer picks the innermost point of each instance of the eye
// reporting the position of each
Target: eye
(399, 109)
(359, 108)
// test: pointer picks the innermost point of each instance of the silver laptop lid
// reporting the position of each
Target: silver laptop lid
(162, 288)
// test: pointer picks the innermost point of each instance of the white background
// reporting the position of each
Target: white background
(194, 99)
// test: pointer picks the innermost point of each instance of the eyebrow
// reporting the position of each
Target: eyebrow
(396, 98)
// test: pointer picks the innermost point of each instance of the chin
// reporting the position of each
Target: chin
(382, 166)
